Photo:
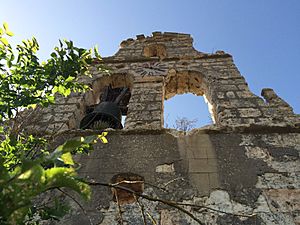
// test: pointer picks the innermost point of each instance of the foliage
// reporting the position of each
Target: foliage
(28, 166)
(25, 81)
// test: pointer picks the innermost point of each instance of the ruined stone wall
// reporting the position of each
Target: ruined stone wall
(243, 169)
(234, 178)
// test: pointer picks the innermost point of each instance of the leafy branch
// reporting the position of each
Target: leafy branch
(28, 166)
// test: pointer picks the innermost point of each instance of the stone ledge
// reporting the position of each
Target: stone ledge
(111, 59)
(206, 130)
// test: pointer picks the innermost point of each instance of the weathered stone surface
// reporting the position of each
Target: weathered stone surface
(243, 169)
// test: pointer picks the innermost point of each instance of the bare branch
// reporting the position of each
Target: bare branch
(142, 209)
(119, 208)
(151, 218)
(71, 197)
(167, 202)
(171, 203)
(185, 124)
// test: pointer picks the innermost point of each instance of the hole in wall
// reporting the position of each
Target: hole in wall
(129, 181)
(186, 112)
(155, 50)
(123, 120)
(110, 112)
(106, 90)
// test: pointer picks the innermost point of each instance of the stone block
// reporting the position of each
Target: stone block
(196, 153)
(245, 94)
(211, 153)
(65, 108)
(227, 113)
(213, 181)
(220, 95)
(203, 165)
(228, 88)
(201, 182)
(154, 106)
(248, 121)
(56, 127)
(249, 112)
(165, 168)
(62, 117)
(74, 100)
(46, 118)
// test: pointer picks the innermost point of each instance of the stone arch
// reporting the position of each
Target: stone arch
(92, 97)
(189, 81)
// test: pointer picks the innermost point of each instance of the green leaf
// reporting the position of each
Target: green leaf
(34, 173)
(51, 99)
(9, 33)
(1, 31)
(4, 41)
(67, 158)
(64, 177)
(69, 79)
(61, 89)
(89, 139)
(68, 146)
(104, 133)
(103, 140)
(53, 54)
(54, 90)
(97, 52)
(67, 92)
(5, 26)
(32, 106)
(4, 175)
(71, 145)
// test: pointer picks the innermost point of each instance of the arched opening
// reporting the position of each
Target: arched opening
(186, 111)
(187, 103)
(106, 105)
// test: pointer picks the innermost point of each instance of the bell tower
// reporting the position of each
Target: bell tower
(243, 169)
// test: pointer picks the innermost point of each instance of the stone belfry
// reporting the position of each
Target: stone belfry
(242, 169)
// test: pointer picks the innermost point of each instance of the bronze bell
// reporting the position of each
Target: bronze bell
(108, 114)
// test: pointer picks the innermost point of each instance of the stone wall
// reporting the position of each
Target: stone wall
(234, 178)
(180, 70)
(243, 169)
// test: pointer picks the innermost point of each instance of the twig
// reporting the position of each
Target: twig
(142, 209)
(216, 210)
(155, 186)
(128, 182)
(173, 180)
(71, 197)
(119, 209)
(151, 218)
(80, 206)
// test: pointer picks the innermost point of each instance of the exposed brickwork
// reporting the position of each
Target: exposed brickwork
(182, 69)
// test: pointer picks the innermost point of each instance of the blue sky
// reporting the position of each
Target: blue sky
(262, 35)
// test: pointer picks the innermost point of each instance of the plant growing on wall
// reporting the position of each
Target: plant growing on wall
(28, 166)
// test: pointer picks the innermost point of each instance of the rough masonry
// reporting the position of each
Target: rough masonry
(243, 169)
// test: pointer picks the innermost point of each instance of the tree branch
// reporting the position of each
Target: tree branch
(166, 202)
